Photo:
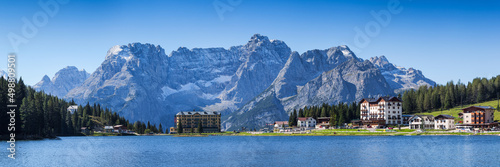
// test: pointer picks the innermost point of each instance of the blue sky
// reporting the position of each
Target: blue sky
(447, 40)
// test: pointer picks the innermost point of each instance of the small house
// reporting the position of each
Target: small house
(444, 122)
(306, 122)
(108, 129)
(421, 122)
(119, 129)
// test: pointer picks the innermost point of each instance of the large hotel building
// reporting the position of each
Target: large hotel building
(381, 111)
(479, 116)
(189, 120)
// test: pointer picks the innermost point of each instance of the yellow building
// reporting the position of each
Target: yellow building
(189, 120)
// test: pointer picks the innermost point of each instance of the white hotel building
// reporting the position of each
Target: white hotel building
(381, 111)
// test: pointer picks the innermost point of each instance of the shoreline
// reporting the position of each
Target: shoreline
(340, 133)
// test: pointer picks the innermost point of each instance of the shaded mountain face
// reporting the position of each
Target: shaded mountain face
(308, 80)
(401, 78)
(141, 82)
(62, 82)
(252, 84)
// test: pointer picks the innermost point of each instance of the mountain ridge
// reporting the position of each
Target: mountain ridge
(141, 82)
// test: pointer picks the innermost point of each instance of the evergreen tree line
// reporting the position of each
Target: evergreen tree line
(339, 114)
(41, 115)
(442, 97)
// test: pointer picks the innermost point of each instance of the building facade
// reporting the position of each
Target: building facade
(444, 122)
(406, 119)
(381, 111)
(422, 122)
(189, 121)
(307, 122)
(479, 116)
(323, 123)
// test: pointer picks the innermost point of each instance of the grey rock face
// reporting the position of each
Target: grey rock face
(401, 78)
(62, 82)
(309, 79)
(141, 82)
(251, 85)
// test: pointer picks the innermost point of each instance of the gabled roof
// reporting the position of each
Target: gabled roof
(198, 112)
(430, 117)
(281, 122)
(478, 107)
(385, 98)
(369, 100)
(444, 116)
(304, 118)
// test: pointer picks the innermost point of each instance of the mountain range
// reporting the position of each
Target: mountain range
(62, 82)
(252, 84)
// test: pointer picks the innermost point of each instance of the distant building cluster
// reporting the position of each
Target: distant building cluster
(189, 122)
(388, 111)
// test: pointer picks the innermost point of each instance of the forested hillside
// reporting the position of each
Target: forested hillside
(40, 115)
(442, 97)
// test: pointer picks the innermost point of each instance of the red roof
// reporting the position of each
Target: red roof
(120, 127)
(303, 118)
(477, 108)
(281, 122)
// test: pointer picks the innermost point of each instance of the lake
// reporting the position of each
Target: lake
(258, 151)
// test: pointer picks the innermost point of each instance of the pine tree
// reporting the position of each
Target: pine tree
(341, 120)
(301, 113)
(332, 120)
(428, 101)
(160, 128)
(295, 115)
(69, 122)
(323, 112)
(200, 127)
(480, 93)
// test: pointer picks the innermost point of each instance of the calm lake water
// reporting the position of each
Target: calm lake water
(259, 151)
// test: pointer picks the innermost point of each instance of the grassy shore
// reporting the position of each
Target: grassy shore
(339, 132)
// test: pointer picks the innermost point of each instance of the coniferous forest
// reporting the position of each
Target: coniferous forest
(339, 114)
(443, 97)
(40, 115)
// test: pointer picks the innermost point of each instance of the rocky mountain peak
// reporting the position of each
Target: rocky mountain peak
(63, 81)
(382, 63)
(400, 78)
(45, 79)
(259, 38)
(256, 82)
